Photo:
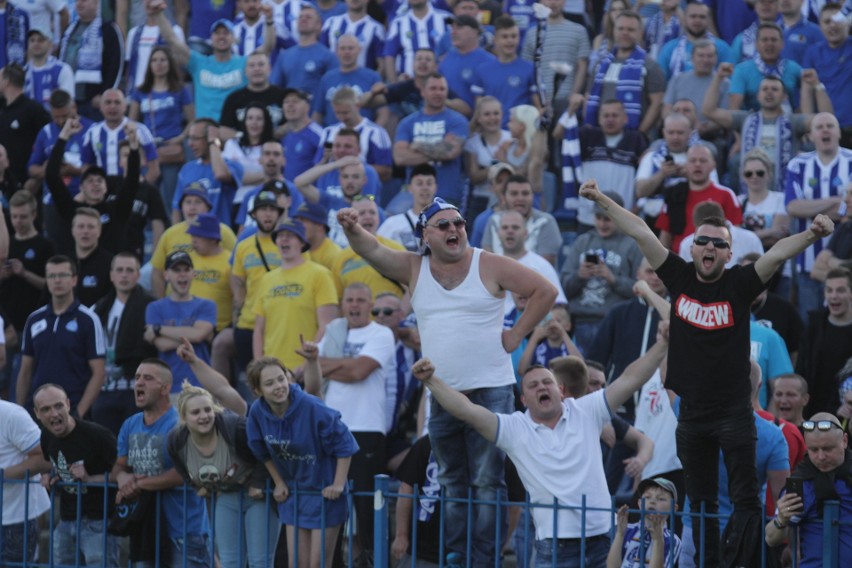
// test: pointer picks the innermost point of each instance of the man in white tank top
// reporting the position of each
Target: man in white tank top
(458, 294)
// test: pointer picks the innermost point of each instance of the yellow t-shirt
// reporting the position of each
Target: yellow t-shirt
(288, 299)
(175, 238)
(249, 267)
(212, 282)
(326, 254)
(351, 268)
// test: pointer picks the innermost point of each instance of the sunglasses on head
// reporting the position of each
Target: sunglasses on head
(758, 173)
(444, 224)
(718, 242)
(383, 311)
(821, 425)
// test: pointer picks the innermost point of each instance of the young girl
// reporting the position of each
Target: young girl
(306, 447)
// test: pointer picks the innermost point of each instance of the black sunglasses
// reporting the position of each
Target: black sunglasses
(821, 425)
(758, 173)
(383, 311)
(444, 224)
(718, 242)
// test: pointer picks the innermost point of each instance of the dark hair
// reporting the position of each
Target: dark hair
(349, 132)
(15, 74)
(266, 134)
(23, 197)
(123, 254)
(62, 259)
(830, 6)
(172, 77)
(166, 371)
(423, 170)
(705, 213)
(840, 272)
(516, 178)
(504, 22)
(631, 14)
(769, 26)
(60, 99)
(712, 220)
(258, 365)
(572, 373)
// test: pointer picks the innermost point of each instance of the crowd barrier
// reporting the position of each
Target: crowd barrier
(383, 501)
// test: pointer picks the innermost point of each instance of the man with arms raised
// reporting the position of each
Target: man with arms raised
(458, 293)
(709, 366)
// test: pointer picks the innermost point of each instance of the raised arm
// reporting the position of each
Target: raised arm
(212, 380)
(305, 181)
(637, 373)
(179, 48)
(710, 106)
(791, 246)
(483, 420)
(628, 223)
(393, 264)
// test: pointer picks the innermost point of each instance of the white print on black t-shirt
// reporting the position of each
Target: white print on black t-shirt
(717, 315)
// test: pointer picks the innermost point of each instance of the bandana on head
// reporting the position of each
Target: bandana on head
(845, 387)
(437, 206)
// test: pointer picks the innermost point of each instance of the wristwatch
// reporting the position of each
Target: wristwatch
(157, 328)
(215, 142)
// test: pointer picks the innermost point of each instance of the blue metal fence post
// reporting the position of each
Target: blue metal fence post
(380, 521)
(830, 533)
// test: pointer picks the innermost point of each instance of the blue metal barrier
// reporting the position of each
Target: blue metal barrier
(383, 499)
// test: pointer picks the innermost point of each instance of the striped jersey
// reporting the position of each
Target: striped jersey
(376, 148)
(100, 145)
(407, 34)
(370, 34)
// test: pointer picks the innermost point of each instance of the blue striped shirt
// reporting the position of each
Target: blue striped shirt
(407, 34)
(100, 146)
(376, 147)
(369, 32)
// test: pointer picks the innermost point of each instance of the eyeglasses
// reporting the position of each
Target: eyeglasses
(444, 224)
(58, 276)
(362, 197)
(718, 242)
(821, 425)
(383, 311)
(758, 173)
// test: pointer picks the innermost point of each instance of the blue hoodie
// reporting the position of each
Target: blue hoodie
(304, 446)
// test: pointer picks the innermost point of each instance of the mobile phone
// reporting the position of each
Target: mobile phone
(327, 145)
(668, 158)
(794, 485)
(592, 258)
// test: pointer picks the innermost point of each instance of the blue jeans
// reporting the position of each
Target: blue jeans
(87, 545)
(197, 553)
(245, 528)
(568, 552)
(13, 542)
(698, 443)
(466, 459)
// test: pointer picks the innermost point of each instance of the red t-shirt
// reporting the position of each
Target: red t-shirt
(720, 194)
(795, 447)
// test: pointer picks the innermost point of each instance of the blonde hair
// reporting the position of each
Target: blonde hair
(756, 154)
(189, 391)
(477, 111)
(527, 115)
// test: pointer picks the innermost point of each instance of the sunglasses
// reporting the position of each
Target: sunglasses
(444, 224)
(719, 243)
(383, 311)
(821, 425)
(758, 173)
(362, 197)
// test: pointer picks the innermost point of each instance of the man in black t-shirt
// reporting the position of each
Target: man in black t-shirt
(709, 367)
(78, 451)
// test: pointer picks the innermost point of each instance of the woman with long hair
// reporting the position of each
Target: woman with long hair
(256, 129)
(164, 104)
(480, 150)
(763, 206)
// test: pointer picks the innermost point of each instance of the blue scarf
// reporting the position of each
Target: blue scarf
(658, 32)
(17, 25)
(748, 42)
(90, 56)
(680, 57)
(628, 89)
(565, 208)
(767, 70)
(750, 133)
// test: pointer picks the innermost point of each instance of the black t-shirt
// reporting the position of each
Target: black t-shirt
(834, 349)
(234, 109)
(784, 318)
(17, 296)
(93, 277)
(20, 123)
(420, 468)
(841, 241)
(96, 447)
(147, 206)
(709, 345)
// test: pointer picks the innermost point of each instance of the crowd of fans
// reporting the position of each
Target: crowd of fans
(210, 210)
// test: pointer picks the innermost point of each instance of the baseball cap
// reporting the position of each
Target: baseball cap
(498, 168)
(466, 21)
(660, 482)
(298, 92)
(222, 22)
(205, 225)
(93, 171)
(312, 212)
(276, 186)
(198, 190)
(295, 227)
(178, 257)
(39, 30)
(263, 199)
(612, 195)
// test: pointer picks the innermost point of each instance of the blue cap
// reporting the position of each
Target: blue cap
(222, 22)
(433, 209)
(205, 225)
(197, 189)
(313, 212)
(295, 227)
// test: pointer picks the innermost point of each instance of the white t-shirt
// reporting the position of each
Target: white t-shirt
(363, 405)
(484, 153)
(147, 42)
(656, 419)
(539, 264)
(42, 13)
(19, 434)
(399, 228)
(564, 463)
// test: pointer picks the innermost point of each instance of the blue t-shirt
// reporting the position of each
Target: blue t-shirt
(798, 37)
(459, 71)
(769, 351)
(335, 10)
(205, 12)
(162, 112)
(431, 128)
(213, 81)
(835, 72)
(146, 451)
(221, 196)
(732, 17)
(359, 80)
(747, 78)
(723, 52)
(44, 142)
(302, 67)
(811, 526)
(512, 83)
(178, 314)
(300, 148)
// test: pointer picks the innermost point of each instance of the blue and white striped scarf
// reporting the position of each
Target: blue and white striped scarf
(658, 32)
(680, 57)
(751, 132)
(565, 208)
(628, 89)
(767, 70)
